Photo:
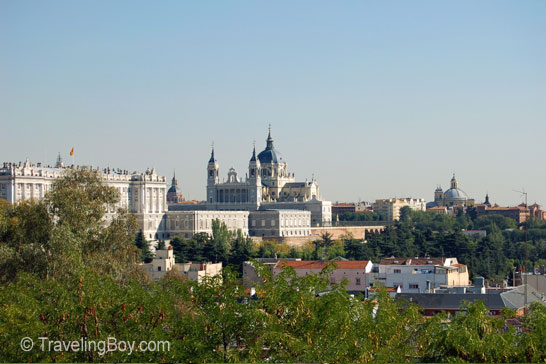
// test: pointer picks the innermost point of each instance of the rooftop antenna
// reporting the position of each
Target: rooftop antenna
(523, 193)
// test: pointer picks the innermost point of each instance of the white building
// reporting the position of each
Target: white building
(164, 262)
(421, 275)
(143, 194)
(187, 223)
(284, 223)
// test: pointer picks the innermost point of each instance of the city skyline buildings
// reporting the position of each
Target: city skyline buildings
(375, 100)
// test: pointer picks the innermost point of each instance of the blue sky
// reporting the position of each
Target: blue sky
(376, 99)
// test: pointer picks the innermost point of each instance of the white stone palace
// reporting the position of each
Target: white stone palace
(142, 193)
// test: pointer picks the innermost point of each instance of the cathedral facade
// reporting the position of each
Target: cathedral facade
(267, 185)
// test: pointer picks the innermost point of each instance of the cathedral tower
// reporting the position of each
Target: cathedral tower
(254, 179)
(213, 178)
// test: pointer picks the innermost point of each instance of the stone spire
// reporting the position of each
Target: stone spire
(253, 159)
(212, 159)
(269, 139)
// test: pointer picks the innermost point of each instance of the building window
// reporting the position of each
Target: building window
(397, 271)
(413, 286)
(358, 281)
(159, 269)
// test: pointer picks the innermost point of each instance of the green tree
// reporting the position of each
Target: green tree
(241, 251)
(141, 243)
(326, 243)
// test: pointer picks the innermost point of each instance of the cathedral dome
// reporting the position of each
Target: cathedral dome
(174, 189)
(455, 194)
(268, 155)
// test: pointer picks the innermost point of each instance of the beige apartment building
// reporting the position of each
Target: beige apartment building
(390, 207)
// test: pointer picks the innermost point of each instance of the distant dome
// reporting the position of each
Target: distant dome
(174, 193)
(455, 194)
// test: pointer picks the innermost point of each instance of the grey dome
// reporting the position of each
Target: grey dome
(174, 189)
(268, 156)
(455, 194)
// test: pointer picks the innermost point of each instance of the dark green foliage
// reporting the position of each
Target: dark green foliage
(141, 243)
(241, 251)
(357, 216)
(217, 321)
(67, 231)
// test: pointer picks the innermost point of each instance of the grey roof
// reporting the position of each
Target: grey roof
(515, 298)
(455, 194)
(295, 184)
(451, 300)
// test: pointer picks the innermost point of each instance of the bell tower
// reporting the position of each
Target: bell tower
(254, 179)
(213, 178)
(454, 183)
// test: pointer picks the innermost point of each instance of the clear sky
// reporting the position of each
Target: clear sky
(377, 99)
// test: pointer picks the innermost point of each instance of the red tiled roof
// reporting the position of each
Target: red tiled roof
(343, 204)
(320, 264)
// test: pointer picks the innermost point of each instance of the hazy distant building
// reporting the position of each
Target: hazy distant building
(174, 194)
(518, 213)
(341, 207)
(453, 197)
(390, 207)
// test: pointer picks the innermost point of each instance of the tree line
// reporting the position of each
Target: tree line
(418, 233)
(69, 272)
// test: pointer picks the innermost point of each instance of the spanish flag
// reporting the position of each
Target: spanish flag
(72, 152)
